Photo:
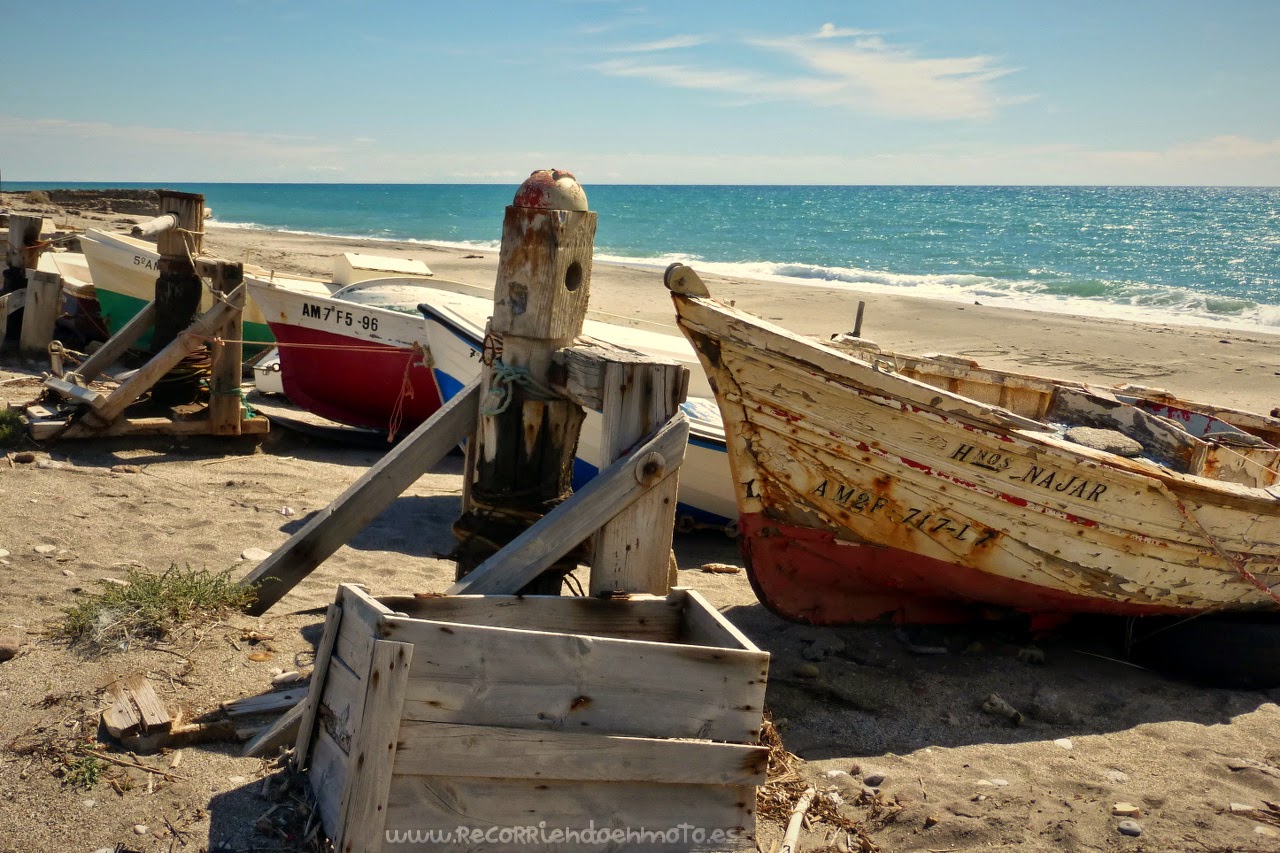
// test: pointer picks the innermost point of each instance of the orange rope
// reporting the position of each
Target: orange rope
(406, 391)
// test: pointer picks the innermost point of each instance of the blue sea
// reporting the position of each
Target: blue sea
(1203, 255)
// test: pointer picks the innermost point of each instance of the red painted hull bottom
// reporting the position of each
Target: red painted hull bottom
(806, 575)
(355, 387)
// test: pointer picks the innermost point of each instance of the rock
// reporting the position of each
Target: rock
(996, 706)
(1117, 776)
(255, 555)
(286, 678)
(1126, 810)
(1064, 743)
(1240, 808)
(287, 511)
(720, 569)
(808, 670)
(67, 573)
(874, 779)
(814, 653)
(9, 646)
(1031, 655)
(24, 457)
(52, 464)
(274, 671)
(1106, 440)
(931, 821)
(4, 552)
(140, 828)
(126, 469)
(837, 775)
(1130, 827)
(45, 550)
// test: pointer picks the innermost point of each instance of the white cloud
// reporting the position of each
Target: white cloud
(672, 43)
(850, 69)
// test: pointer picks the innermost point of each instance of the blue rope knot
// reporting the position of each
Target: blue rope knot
(503, 380)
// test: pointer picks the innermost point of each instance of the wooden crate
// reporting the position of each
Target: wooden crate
(534, 723)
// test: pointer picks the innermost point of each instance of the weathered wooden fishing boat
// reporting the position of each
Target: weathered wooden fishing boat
(124, 271)
(927, 490)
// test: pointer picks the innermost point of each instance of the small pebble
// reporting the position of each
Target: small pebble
(274, 671)
(1117, 776)
(1064, 742)
(1125, 810)
(25, 457)
(126, 469)
(286, 677)
(931, 821)
(287, 511)
(67, 573)
(1240, 808)
(1130, 827)
(140, 828)
(256, 555)
(808, 670)
(88, 804)
(45, 550)
(873, 780)
(4, 552)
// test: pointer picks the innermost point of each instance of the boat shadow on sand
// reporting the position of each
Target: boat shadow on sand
(873, 689)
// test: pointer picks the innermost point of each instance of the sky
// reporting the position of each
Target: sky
(693, 92)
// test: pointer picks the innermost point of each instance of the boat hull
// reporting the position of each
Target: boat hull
(124, 276)
(864, 494)
(356, 364)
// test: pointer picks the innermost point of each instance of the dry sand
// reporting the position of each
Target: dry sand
(1097, 732)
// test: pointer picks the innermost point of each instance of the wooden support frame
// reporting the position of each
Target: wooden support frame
(44, 300)
(104, 416)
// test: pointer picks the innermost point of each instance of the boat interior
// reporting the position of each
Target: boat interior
(1224, 444)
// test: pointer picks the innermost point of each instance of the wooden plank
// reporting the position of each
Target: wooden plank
(332, 527)
(319, 672)
(342, 701)
(225, 402)
(44, 301)
(632, 551)
(75, 393)
(328, 775)
(611, 491)
(644, 813)
(372, 755)
(118, 345)
(136, 710)
(459, 750)
(282, 732)
(639, 617)
(139, 426)
(704, 625)
(506, 677)
(11, 302)
(265, 703)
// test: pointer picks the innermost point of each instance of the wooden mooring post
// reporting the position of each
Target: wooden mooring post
(521, 465)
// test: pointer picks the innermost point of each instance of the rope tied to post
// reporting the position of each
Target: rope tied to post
(502, 383)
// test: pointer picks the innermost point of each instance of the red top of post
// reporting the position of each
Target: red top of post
(551, 189)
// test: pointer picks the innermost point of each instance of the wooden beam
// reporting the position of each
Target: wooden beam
(44, 300)
(310, 704)
(136, 710)
(110, 352)
(225, 402)
(632, 551)
(153, 227)
(23, 251)
(282, 732)
(464, 751)
(13, 301)
(75, 393)
(612, 490)
(331, 528)
(45, 430)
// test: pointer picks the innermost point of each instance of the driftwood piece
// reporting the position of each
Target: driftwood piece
(136, 710)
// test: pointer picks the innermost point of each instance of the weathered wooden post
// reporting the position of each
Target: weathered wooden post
(180, 238)
(225, 404)
(21, 253)
(520, 464)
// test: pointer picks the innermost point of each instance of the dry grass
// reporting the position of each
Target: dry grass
(150, 607)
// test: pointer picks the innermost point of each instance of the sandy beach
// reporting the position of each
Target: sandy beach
(905, 707)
